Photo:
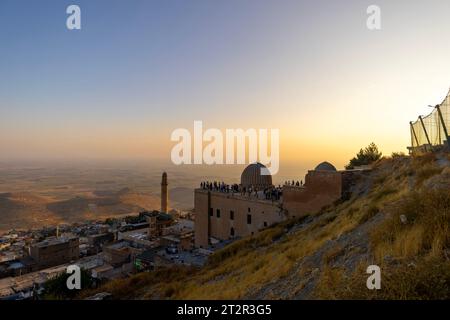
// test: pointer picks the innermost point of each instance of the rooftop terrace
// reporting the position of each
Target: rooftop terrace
(257, 197)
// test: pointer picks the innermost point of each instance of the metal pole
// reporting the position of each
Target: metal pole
(425, 130)
(412, 137)
(439, 131)
(443, 124)
(414, 134)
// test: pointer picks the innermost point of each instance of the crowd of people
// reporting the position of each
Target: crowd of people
(293, 183)
(219, 186)
(268, 193)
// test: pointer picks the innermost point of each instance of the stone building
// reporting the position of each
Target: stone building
(119, 253)
(98, 240)
(56, 251)
(157, 221)
(227, 212)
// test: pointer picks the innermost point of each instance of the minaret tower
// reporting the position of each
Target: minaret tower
(164, 193)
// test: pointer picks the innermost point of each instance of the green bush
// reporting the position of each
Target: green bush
(56, 288)
(365, 156)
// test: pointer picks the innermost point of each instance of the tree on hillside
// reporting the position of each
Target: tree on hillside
(365, 156)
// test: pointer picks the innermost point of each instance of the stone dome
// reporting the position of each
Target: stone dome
(251, 176)
(325, 166)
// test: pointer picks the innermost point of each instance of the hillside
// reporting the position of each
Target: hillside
(398, 217)
(25, 209)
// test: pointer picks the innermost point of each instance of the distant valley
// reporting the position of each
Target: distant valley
(35, 197)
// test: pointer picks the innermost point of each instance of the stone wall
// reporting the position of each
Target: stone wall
(321, 188)
(227, 216)
(56, 253)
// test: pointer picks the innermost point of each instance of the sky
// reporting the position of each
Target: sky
(137, 70)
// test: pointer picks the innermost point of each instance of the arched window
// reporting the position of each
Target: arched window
(232, 232)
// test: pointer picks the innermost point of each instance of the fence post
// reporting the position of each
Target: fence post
(425, 130)
(443, 124)
(413, 135)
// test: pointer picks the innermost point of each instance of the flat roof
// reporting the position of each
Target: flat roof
(171, 238)
(119, 245)
(53, 241)
(238, 196)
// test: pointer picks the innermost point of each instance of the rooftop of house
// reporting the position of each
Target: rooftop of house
(119, 245)
(53, 241)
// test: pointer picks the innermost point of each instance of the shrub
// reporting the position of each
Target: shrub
(56, 288)
(365, 156)
(396, 155)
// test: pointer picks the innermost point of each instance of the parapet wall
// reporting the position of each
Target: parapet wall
(321, 188)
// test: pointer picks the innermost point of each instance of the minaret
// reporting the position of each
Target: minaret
(164, 193)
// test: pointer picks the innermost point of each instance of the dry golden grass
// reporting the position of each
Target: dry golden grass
(426, 279)
(332, 254)
(427, 230)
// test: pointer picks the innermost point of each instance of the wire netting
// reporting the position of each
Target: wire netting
(431, 129)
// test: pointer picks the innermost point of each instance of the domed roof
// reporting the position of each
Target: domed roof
(252, 176)
(325, 166)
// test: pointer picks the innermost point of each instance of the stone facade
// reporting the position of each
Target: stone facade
(54, 252)
(227, 215)
(321, 188)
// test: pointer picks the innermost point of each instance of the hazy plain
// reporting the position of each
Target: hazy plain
(45, 193)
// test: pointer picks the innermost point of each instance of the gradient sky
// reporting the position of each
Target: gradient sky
(140, 69)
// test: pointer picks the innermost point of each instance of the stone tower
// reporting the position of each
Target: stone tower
(164, 193)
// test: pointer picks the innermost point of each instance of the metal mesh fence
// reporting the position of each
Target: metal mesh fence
(432, 130)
